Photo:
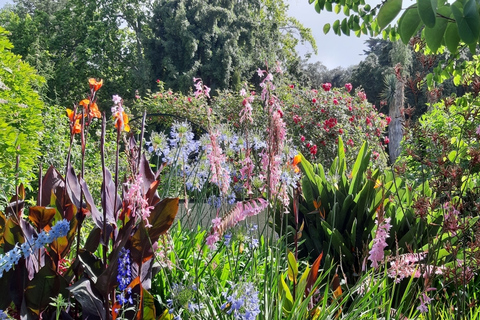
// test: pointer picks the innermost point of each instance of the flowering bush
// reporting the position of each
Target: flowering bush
(316, 118)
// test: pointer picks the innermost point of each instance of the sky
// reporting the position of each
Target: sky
(333, 51)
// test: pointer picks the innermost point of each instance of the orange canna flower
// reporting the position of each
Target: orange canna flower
(84, 103)
(296, 160)
(121, 121)
(94, 112)
(94, 84)
(91, 109)
(75, 119)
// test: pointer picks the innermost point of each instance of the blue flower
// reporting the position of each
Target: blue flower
(243, 302)
(124, 276)
(11, 258)
(3, 315)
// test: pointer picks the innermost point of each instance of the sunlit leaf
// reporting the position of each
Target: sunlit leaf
(161, 218)
(292, 267)
(326, 28)
(338, 7)
(388, 12)
(41, 216)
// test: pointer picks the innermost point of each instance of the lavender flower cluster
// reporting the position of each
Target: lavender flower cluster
(242, 302)
(11, 258)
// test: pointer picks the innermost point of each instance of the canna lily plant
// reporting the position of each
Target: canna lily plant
(108, 275)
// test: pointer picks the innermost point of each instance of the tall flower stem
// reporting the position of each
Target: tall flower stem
(104, 191)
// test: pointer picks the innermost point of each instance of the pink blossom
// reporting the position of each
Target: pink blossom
(390, 120)
(376, 254)
(327, 86)
(386, 140)
(302, 138)
(478, 130)
(137, 202)
(240, 212)
(243, 92)
(260, 72)
(362, 95)
(335, 101)
(278, 67)
(217, 159)
(348, 87)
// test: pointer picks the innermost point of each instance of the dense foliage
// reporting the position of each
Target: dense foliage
(21, 124)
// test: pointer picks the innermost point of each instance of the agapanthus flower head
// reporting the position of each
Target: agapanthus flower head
(242, 301)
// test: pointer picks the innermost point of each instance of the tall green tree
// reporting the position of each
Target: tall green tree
(70, 41)
(220, 41)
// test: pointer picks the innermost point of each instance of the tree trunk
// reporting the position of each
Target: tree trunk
(395, 128)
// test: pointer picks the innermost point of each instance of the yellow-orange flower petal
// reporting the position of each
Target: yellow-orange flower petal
(94, 112)
(84, 103)
(297, 159)
(70, 114)
(94, 84)
(121, 121)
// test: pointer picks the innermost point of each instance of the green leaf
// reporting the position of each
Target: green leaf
(338, 8)
(409, 23)
(328, 6)
(292, 267)
(148, 305)
(427, 10)
(45, 284)
(286, 294)
(452, 38)
(452, 155)
(434, 36)
(388, 12)
(326, 28)
(336, 27)
(468, 21)
(319, 5)
(344, 27)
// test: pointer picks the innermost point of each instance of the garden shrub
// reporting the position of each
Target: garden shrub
(21, 123)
